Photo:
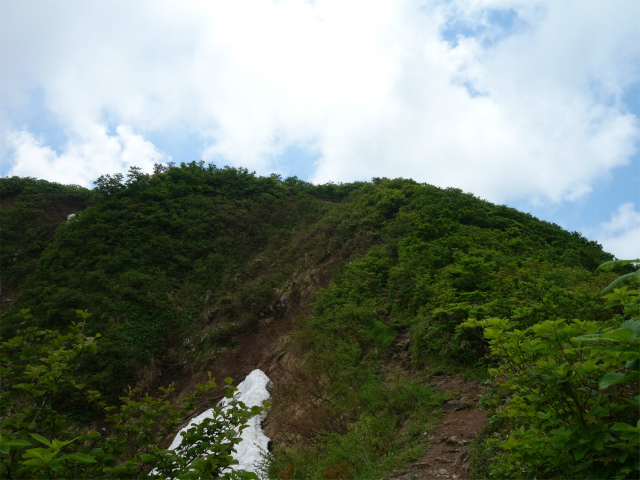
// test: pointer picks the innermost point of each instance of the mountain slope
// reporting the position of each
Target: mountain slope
(195, 268)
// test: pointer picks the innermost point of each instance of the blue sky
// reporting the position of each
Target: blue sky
(534, 104)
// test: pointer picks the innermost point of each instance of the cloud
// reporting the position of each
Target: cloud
(526, 103)
(621, 235)
(82, 161)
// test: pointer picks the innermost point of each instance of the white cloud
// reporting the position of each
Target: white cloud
(84, 160)
(621, 235)
(374, 87)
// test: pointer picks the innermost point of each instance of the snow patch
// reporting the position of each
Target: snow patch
(253, 391)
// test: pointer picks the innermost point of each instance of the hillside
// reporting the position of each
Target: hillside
(349, 296)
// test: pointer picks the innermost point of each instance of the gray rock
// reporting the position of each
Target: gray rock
(284, 300)
(463, 460)
(454, 405)
(407, 476)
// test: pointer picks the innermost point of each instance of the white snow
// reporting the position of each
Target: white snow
(252, 392)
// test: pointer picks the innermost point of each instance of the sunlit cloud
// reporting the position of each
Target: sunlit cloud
(621, 235)
(82, 159)
(508, 99)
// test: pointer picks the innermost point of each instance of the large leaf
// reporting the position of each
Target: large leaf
(616, 263)
(633, 365)
(41, 439)
(5, 445)
(619, 281)
(633, 325)
(621, 334)
(616, 378)
(79, 457)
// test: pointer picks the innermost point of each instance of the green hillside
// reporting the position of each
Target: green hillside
(178, 268)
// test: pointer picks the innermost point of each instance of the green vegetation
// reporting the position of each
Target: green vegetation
(177, 265)
(384, 430)
(566, 398)
(158, 255)
(32, 211)
(35, 368)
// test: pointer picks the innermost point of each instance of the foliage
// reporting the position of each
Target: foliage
(156, 256)
(152, 247)
(360, 424)
(177, 264)
(36, 441)
(31, 211)
(568, 396)
(389, 433)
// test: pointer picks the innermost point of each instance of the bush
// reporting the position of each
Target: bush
(566, 402)
(36, 441)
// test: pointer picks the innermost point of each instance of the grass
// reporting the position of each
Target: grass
(386, 436)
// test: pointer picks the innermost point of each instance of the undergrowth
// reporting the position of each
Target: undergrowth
(389, 433)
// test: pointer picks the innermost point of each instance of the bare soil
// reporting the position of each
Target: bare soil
(268, 349)
(448, 452)
(461, 421)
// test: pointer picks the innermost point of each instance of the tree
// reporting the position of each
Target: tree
(36, 441)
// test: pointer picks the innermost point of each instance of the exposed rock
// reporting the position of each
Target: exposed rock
(454, 405)
(284, 300)
(407, 476)
(463, 460)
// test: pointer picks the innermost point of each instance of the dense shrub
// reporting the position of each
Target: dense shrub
(36, 441)
(566, 401)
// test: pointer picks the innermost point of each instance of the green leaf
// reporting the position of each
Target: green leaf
(633, 365)
(14, 443)
(40, 453)
(580, 452)
(625, 427)
(41, 439)
(622, 334)
(633, 325)
(80, 457)
(615, 378)
(616, 263)
(617, 282)
(57, 444)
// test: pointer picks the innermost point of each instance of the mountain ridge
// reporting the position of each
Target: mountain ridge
(195, 268)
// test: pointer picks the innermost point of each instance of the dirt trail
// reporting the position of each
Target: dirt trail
(448, 454)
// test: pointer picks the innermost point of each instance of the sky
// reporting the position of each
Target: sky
(530, 103)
